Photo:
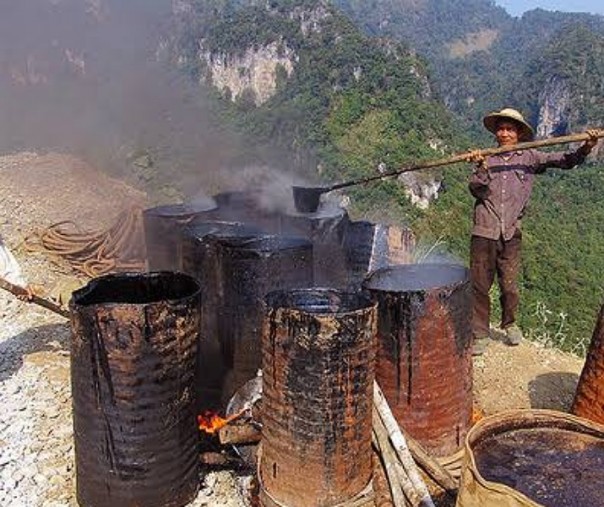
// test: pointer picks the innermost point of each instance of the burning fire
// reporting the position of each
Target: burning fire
(477, 414)
(211, 422)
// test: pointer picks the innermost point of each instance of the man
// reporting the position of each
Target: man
(11, 272)
(502, 186)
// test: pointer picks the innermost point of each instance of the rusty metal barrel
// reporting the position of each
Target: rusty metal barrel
(251, 269)
(201, 259)
(163, 228)
(325, 229)
(318, 363)
(369, 246)
(424, 363)
(589, 397)
(134, 342)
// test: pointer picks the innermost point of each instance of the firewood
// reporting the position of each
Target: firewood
(21, 291)
(237, 432)
(400, 445)
(439, 474)
(402, 490)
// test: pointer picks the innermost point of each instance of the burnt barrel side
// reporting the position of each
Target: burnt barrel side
(326, 229)
(589, 398)
(134, 342)
(201, 259)
(251, 269)
(318, 362)
(163, 228)
(424, 363)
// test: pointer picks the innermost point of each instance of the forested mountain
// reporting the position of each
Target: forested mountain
(353, 101)
(302, 76)
(481, 58)
(327, 90)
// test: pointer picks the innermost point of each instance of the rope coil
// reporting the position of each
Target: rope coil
(121, 247)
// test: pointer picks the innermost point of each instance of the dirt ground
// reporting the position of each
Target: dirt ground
(36, 443)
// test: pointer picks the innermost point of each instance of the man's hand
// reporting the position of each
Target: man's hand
(591, 142)
(31, 291)
(476, 157)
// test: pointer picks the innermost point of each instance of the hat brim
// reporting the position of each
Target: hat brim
(525, 131)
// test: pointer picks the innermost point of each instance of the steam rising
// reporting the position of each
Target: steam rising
(97, 78)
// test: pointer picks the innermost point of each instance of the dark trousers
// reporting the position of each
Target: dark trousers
(487, 258)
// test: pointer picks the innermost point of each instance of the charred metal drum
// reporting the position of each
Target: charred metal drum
(163, 228)
(202, 260)
(424, 363)
(318, 360)
(369, 246)
(251, 269)
(246, 206)
(134, 342)
(589, 398)
(325, 228)
(533, 458)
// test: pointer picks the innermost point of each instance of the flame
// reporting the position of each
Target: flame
(477, 414)
(211, 422)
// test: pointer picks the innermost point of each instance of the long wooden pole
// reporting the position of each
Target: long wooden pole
(400, 445)
(463, 157)
(21, 291)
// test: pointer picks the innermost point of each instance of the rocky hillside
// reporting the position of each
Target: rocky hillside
(547, 63)
(301, 77)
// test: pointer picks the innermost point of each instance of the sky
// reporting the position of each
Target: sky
(517, 7)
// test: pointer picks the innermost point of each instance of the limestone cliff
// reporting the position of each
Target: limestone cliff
(554, 108)
(254, 72)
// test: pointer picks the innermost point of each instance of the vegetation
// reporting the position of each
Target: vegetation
(355, 101)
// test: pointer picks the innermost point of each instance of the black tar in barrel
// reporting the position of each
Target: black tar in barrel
(163, 227)
(251, 269)
(134, 343)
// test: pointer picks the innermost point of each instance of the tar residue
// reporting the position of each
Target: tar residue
(318, 368)
(133, 350)
(416, 277)
(553, 467)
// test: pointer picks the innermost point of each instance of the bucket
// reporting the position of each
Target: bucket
(533, 458)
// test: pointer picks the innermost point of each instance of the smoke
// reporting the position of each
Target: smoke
(95, 78)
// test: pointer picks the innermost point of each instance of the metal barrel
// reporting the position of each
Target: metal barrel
(246, 206)
(251, 269)
(589, 397)
(369, 246)
(163, 228)
(134, 342)
(318, 363)
(424, 363)
(326, 229)
(201, 259)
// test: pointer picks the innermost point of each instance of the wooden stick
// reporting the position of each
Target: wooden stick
(396, 477)
(463, 157)
(21, 291)
(239, 433)
(400, 445)
(439, 474)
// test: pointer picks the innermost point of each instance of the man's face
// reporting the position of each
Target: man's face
(506, 133)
